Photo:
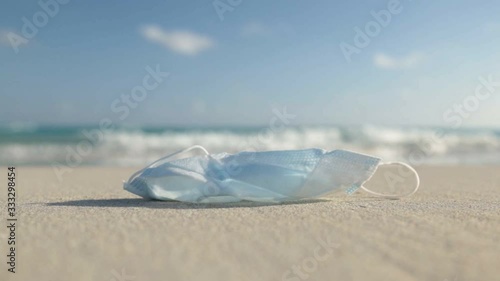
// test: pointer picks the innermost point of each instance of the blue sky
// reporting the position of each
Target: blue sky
(261, 55)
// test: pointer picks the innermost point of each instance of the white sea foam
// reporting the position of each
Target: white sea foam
(136, 147)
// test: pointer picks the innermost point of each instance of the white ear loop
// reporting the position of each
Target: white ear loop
(417, 184)
(168, 157)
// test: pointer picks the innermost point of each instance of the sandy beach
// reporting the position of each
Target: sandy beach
(86, 227)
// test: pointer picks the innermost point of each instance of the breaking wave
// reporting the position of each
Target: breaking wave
(32, 145)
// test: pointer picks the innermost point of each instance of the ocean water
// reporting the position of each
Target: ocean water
(137, 146)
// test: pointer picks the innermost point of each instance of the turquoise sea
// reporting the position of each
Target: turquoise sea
(136, 146)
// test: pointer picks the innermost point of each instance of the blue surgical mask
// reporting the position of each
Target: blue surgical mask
(269, 176)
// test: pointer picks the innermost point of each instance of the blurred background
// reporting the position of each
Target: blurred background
(126, 82)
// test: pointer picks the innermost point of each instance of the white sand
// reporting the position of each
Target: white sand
(87, 228)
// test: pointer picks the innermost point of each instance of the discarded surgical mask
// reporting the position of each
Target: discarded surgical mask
(269, 176)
